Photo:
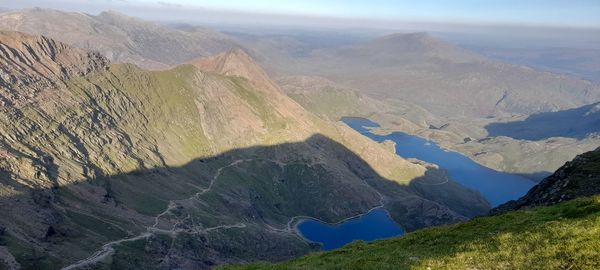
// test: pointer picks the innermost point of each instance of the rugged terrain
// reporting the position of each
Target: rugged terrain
(555, 226)
(122, 39)
(577, 178)
(109, 165)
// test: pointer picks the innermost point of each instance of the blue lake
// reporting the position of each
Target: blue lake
(374, 225)
(496, 187)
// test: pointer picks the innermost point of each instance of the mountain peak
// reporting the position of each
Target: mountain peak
(238, 53)
(234, 62)
(422, 43)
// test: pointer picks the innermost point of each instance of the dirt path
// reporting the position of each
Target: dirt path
(107, 249)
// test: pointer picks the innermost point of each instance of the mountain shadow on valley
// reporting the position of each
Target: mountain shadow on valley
(230, 208)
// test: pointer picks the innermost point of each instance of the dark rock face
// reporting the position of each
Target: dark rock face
(577, 178)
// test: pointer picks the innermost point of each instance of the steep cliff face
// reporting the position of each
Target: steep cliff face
(120, 167)
(577, 178)
(30, 63)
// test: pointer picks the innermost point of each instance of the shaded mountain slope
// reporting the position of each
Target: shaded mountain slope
(555, 225)
(575, 123)
(182, 168)
(554, 237)
(122, 39)
(577, 178)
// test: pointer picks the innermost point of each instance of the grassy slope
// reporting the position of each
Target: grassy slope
(564, 236)
(331, 103)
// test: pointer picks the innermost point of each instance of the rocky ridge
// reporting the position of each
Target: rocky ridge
(30, 63)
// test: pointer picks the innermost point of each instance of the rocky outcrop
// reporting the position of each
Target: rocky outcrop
(577, 178)
(33, 63)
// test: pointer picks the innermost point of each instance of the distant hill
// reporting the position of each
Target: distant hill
(442, 78)
(122, 39)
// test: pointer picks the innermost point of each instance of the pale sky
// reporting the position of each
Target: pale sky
(538, 12)
(563, 13)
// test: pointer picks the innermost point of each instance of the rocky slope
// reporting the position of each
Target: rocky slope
(577, 178)
(30, 63)
(113, 166)
(122, 39)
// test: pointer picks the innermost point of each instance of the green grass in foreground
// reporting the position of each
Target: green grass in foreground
(564, 236)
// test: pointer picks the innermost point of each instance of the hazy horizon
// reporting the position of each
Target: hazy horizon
(578, 28)
(377, 14)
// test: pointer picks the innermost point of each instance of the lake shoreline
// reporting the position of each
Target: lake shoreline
(496, 186)
(298, 221)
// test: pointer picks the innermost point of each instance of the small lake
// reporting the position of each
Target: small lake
(377, 224)
(496, 187)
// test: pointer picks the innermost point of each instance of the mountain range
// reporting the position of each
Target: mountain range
(117, 166)
(127, 144)
(416, 67)
(122, 39)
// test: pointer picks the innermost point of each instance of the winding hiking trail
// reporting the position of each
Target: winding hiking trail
(107, 249)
